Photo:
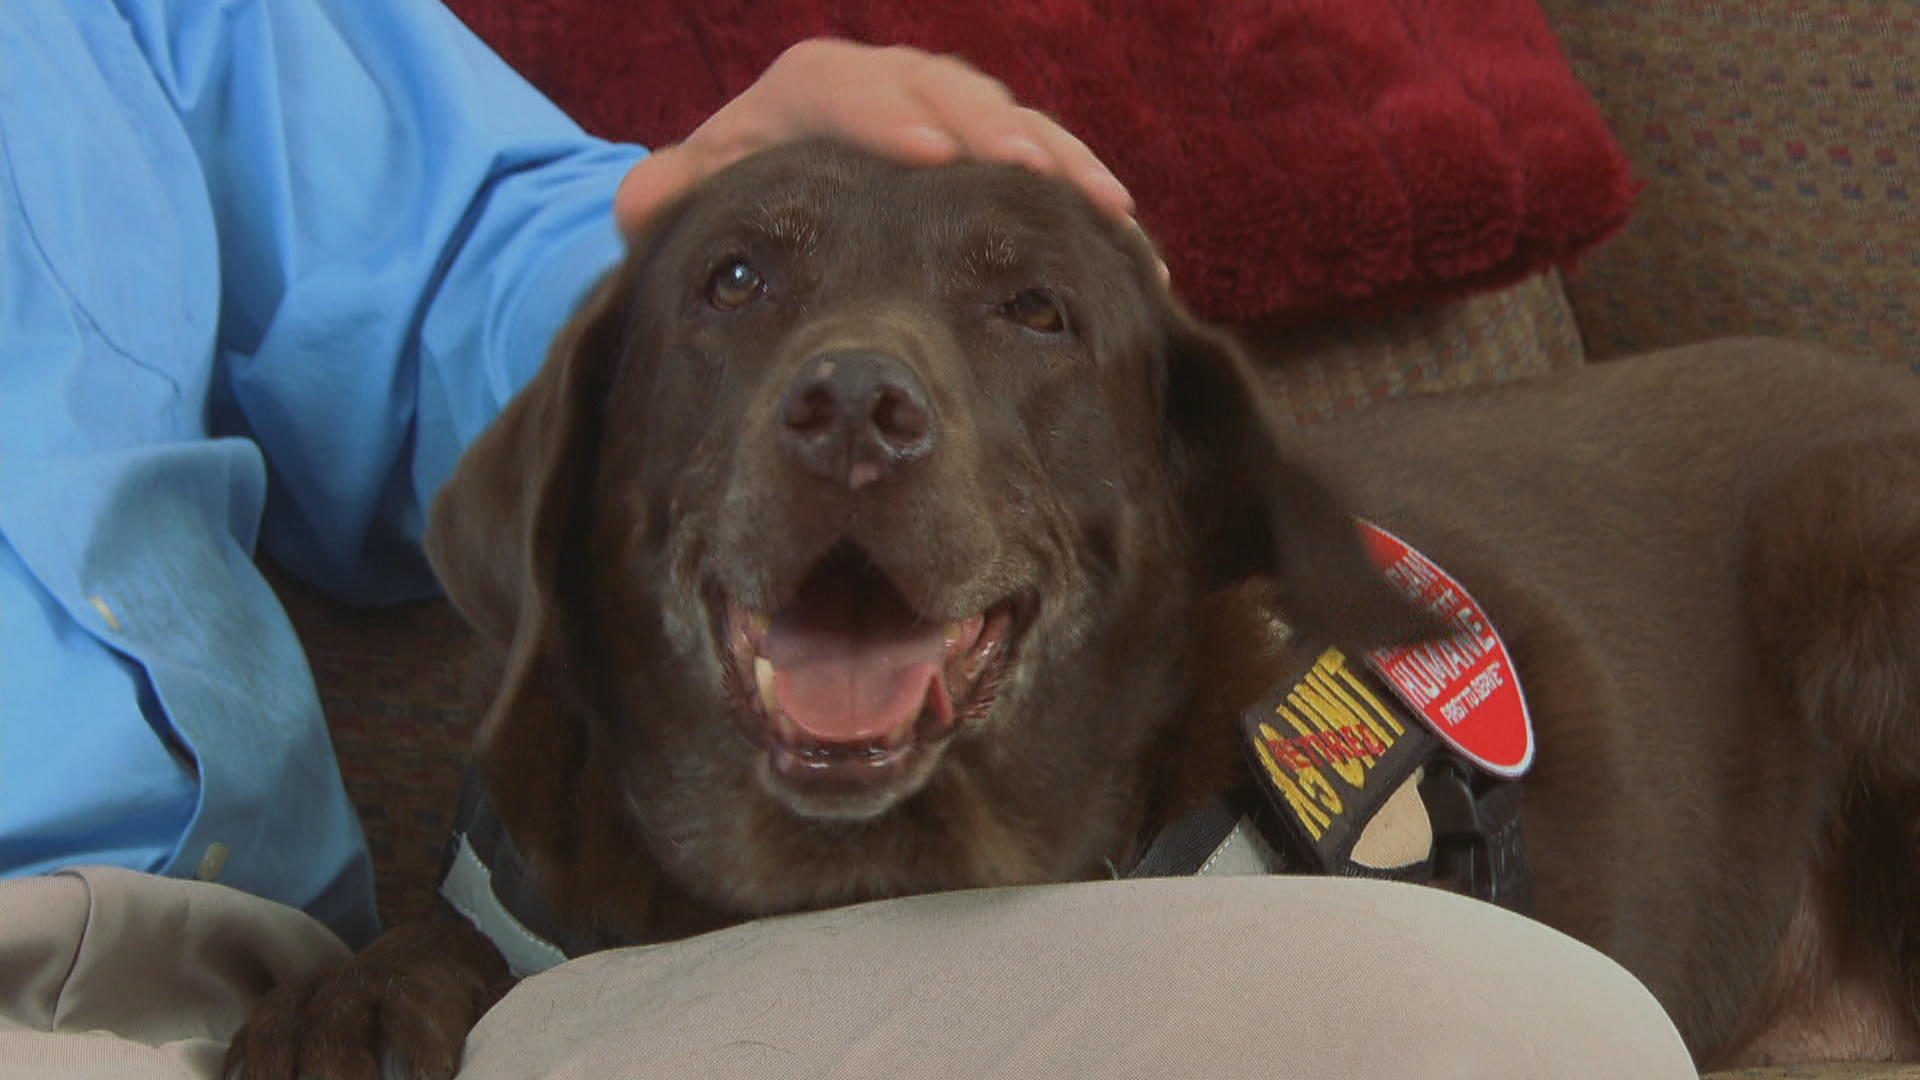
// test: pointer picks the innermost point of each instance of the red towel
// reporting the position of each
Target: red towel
(1293, 157)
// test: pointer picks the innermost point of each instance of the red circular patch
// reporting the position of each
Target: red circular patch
(1465, 686)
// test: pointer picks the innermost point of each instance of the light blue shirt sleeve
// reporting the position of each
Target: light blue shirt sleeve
(403, 224)
(266, 266)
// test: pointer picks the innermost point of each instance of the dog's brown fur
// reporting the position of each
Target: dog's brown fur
(1706, 565)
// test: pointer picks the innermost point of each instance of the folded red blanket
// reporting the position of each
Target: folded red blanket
(1293, 157)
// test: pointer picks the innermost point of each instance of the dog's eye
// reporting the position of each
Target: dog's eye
(1037, 310)
(735, 285)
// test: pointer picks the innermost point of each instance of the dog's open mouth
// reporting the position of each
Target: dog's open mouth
(847, 686)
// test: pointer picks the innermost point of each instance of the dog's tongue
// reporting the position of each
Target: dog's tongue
(851, 662)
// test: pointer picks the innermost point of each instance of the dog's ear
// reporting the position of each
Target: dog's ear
(495, 536)
(1253, 512)
(495, 530)
(505, 536)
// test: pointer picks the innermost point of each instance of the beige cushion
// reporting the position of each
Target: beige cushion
(1217, 978)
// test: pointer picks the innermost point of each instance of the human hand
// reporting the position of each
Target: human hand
(898, 101)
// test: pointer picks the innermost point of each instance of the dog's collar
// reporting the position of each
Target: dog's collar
(1476, 848)
(485, 879)
(1345, 779)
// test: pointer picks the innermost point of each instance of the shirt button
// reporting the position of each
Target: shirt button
(211, 863)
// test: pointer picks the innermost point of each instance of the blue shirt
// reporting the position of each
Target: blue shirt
(266, 266)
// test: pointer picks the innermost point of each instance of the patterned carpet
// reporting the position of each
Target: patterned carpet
(391, 685)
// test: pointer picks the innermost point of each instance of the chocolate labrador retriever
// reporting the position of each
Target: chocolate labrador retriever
(875, 530)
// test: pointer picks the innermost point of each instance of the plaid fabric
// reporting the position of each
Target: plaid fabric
(1780, 145)
(1331, 368)
(1821, 1073)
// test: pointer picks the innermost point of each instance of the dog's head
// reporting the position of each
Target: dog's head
(846, 544)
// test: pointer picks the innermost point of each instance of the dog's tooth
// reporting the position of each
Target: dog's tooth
(963, 634)
(977, 662)
(763, 678)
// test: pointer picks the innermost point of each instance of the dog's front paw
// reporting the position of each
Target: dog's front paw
(402, 1009)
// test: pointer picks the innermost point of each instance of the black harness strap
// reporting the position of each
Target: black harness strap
(1184, 846)
(1477, 846)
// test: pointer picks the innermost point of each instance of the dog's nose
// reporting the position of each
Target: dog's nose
(855, 417)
